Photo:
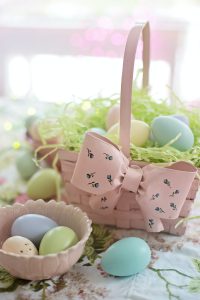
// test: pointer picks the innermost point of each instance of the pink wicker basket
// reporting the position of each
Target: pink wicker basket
(127, 212)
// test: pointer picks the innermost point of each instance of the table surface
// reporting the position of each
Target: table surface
(174, 272)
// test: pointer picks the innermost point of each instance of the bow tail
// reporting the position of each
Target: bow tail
(153, 224)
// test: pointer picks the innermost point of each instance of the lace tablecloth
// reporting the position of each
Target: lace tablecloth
(174, 272)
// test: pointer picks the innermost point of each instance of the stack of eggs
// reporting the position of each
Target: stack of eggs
(34, 234)
(173, 130)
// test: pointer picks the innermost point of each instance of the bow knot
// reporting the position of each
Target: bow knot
(103, 171)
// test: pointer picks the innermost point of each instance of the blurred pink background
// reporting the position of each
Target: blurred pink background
(59, 50)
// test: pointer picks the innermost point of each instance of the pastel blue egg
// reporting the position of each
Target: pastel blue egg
(98, 130)
(167, 128)
(126, 257)
(32, 227)
(182, 118)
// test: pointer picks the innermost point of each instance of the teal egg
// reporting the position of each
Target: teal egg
(25, 165)
(166, 128)
(126, 257)
(98, 130)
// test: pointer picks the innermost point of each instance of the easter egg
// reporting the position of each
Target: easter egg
(113, 116)
(57, 239)
(32, 227)
(182, 118)
(29, 121)
(126, 257)
(19, 245)
(139, 132)
(34, 131)
(98, 130)
(25, 165)
(43, 184)
(167, 128)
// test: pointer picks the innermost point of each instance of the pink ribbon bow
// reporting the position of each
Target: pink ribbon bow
(102, 170)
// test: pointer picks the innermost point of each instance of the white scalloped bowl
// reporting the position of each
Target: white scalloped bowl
(43, 267)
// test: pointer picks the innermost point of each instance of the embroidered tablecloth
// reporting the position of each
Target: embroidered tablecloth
(174, 272)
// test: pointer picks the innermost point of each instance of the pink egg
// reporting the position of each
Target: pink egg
(113, 116)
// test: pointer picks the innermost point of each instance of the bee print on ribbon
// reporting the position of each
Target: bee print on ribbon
(103, 199)
(167, 182)
(90, 175)
(176, 192)
(155, 196)
(104, 207)
(94, 184)
(173, 206)
(159, 209)
(109, 178)
(108, 156)
(151, 223)
(90, 154)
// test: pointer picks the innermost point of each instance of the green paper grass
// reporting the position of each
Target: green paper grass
(77, 118)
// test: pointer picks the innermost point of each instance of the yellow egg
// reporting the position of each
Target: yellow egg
(139, 132)
(113, 116)
(19, 245)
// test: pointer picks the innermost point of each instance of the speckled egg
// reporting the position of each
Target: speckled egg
(126, 257)
(32, 227)
(43, 184)
(57, 239)
(166, 128)
(25, 165)
(19, 245)
(139, 132)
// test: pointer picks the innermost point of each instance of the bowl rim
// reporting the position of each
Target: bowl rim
(61, 253)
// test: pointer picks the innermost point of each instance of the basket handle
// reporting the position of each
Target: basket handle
(127, 79)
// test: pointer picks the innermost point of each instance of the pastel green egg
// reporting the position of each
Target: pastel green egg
(126, 257)
(57, 239)
(139, 132)
(43, 184)
(25, 165)
(166, 128)
(30, 120)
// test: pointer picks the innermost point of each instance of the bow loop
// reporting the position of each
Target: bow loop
(100, 165)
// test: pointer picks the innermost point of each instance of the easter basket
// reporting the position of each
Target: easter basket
(113, 189)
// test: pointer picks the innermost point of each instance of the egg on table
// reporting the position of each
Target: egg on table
(32, 227)
(25, 165)
(126, 257)
(139, 132)
(19, 245)
(57, 239)
(43, 184)
(166, 128)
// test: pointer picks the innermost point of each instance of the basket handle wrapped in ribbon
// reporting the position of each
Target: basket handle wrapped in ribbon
(103, 169)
